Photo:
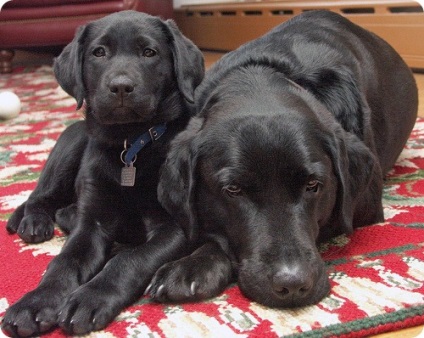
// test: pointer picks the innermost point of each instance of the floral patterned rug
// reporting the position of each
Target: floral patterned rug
(377, 274)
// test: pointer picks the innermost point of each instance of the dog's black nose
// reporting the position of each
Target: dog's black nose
(292, 282)
(121, 85)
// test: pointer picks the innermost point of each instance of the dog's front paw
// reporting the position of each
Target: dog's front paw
(66, 218)
(88, 309)
(36, 228)
(33, 314)
(15, 219)
(191, 278)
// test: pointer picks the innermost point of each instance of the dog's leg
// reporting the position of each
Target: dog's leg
(124, 278)
(81, 258)
(203, 274)
(14, 220)
(66, 217)
(33, 221)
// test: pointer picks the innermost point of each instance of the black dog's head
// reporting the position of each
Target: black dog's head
(130, 67)
(270, 169)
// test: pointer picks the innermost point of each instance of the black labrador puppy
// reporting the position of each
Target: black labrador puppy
(137, 75)
(294, 134)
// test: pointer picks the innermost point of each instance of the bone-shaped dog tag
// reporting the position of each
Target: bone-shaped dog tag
(128, 175)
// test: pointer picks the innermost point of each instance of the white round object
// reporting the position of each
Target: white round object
(10, 105)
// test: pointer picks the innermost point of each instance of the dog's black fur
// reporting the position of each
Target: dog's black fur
(133, 71)
(294, 134)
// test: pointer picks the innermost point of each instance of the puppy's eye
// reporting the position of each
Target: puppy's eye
(313, 186)
(99, 52)
(232, 190)
(148, 53)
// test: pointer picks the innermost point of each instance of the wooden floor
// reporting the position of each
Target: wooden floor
(420, 82)
(23, 58)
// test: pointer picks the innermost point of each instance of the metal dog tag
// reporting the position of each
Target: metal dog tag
(128, 176)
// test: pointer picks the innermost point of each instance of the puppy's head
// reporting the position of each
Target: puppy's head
(271, 182)
(130, 67)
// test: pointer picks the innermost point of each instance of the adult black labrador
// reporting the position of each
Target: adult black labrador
(294, 134)
(137, 75)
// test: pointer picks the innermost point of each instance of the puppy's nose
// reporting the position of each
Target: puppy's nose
(121, 85)
(294, 282)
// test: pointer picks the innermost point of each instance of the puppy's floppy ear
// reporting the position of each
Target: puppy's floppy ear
(188, 61)
(177, 184)
(359, 178)
(68, 67)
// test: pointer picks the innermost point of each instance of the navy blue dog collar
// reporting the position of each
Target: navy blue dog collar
(151, 135)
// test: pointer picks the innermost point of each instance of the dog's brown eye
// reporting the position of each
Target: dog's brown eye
(148, 53)
(313, 186)
(99, 52)
(232, 190)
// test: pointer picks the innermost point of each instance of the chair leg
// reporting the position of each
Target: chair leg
(6, 56)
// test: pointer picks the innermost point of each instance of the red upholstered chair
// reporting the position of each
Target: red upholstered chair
(42, 23)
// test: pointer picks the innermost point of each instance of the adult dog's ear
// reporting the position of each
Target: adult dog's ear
(188, 61)
(177, 184)
(68, 67)
(359, 180)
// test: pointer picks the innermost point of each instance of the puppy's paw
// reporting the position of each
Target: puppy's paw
(36, 228)
(16, 218)
(33, 314)
(66, 218)
(88, 309)
(191, 278)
